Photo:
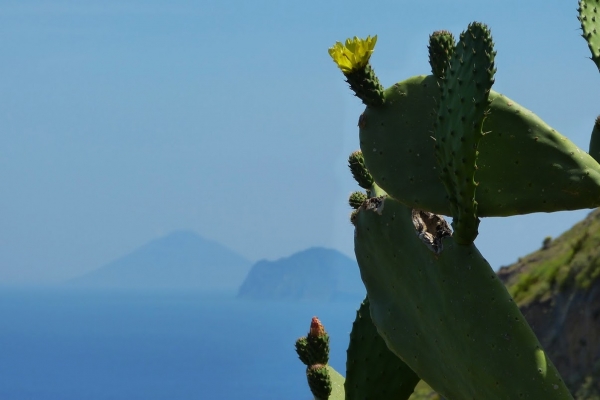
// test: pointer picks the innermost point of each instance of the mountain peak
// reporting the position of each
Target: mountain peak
(181, 259)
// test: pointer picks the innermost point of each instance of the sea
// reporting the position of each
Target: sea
(68, 344)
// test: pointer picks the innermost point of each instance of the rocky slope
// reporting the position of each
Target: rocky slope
(558, 291)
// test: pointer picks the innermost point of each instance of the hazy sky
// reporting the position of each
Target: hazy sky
(122, 121)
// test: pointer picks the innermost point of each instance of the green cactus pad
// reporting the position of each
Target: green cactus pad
(372, 370)
(589, 16)
(524, 166)
(441, 47)
(463, 105)
(446, 314)
(595, 140)
(337, 384)
(352, 57)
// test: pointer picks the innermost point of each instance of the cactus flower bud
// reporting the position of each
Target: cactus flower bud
(316, 328)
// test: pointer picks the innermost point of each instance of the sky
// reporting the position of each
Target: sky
(122, 121)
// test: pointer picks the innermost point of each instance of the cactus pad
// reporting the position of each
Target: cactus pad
(446, 314)
(463, 105)
(589, 16)
(356, 163)
(595, 140)
(441, 47)
(372, 370)
(524, 165)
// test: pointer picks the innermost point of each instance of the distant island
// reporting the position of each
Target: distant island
(180, 260)
(314, 274)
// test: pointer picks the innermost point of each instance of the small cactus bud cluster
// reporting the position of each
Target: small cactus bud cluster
(313, 351)
(362, 176)
(356, 163)
(356, 199)
(314, 348)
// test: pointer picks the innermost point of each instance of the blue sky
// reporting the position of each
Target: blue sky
(125, 120)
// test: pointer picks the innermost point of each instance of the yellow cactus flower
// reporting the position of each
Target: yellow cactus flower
(354, 54)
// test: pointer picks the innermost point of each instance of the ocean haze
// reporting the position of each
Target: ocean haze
(180, 260)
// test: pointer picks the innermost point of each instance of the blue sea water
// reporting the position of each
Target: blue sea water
(78, 345)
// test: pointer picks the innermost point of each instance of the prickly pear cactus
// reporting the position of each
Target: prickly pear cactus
(447, 144)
